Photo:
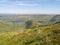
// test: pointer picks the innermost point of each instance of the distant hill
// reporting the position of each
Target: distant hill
(55, 19)
(23, 18)
(17, 22)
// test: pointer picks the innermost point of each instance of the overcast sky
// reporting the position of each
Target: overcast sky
(30, 6)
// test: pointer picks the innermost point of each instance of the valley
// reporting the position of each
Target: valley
(29, 29)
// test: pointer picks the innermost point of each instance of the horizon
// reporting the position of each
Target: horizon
(29, 14)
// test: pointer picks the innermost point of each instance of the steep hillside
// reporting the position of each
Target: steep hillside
(46, 35)
(9, 26)
(30, 30)
(55, 19)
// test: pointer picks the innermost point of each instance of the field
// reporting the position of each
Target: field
(30, 32)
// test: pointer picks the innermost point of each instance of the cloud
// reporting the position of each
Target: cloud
(3, 0)
(17, 3)
(25, 4)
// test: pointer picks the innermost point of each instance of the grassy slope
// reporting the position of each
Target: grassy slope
(46, 35)
(9, 26)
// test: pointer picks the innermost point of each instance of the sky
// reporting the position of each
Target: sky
(30, 6)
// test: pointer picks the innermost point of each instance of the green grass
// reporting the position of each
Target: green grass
(37, 34)
(9, 26)
(46, 35)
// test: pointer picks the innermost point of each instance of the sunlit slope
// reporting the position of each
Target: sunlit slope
(46, 35)
(9, 26)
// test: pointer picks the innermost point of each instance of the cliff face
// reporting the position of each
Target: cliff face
(55, 19)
